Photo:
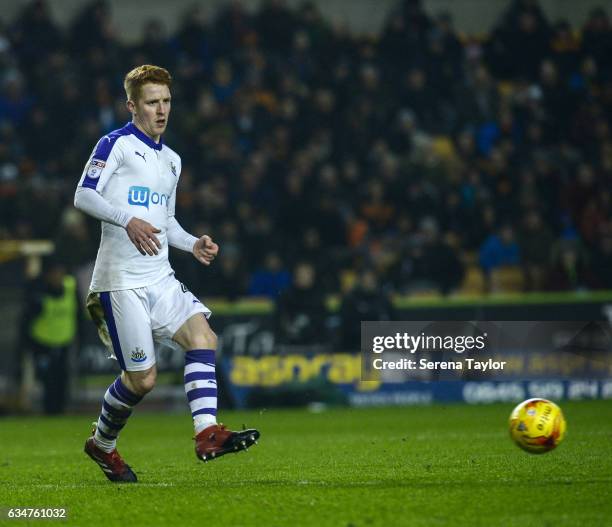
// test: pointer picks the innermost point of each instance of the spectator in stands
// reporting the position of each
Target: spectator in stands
(15, 103)
(570, 270)
(429, 264)
(300, 309)
(366, 301)
(535, 246)
(270, 280)
(597, 38)
(299, 125)
(73, 244)
(602, 258)
(500, 249)
(228, 279)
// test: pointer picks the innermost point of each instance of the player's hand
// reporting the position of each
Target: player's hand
(142, 235)
(205, 250)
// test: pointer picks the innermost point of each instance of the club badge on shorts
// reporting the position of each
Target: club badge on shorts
(138, 355)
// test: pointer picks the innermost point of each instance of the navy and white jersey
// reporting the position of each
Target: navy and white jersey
(134, 174)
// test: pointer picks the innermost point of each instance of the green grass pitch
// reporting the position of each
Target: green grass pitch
(423, 466)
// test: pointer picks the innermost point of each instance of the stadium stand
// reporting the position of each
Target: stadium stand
(404, 153)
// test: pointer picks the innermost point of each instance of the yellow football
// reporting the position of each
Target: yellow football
(537, 425)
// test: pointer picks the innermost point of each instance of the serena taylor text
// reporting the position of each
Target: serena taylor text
(428, 364)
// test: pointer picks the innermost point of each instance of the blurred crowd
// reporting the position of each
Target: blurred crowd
(406, 162)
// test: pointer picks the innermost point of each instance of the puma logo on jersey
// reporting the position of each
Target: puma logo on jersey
(141, 155)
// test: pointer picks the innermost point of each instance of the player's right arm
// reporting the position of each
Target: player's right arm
(103, 163)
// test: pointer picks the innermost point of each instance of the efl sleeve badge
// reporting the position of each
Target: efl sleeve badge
(95, 168)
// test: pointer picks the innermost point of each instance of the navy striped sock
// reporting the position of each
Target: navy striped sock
(116, 408)
(201, 387)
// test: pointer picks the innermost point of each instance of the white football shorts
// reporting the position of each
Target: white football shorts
(130, 322)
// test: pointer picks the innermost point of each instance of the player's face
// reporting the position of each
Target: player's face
(152, 109)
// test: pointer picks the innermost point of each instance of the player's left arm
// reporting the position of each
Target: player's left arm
(203, 249)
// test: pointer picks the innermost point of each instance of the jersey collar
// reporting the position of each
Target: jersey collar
(132, 128)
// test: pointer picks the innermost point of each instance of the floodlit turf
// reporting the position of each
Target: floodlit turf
(441, 465)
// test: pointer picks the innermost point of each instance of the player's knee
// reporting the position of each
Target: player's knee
(206, 340)
(147, 384)
(142, 383)
(211, 338)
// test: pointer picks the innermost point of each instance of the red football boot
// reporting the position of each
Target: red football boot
(217, 440)
(111, 463)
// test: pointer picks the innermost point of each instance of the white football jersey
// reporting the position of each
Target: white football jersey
(139, 176)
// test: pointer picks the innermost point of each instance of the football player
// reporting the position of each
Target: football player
(129, 183)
